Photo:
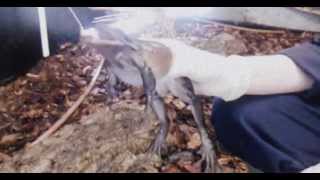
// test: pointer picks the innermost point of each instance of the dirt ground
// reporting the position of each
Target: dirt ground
(109, 140)
(106, 135)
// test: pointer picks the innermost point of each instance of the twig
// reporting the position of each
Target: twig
(308, 10)
(242, 28)
(35, 76)
(65, 116)
(76, 18)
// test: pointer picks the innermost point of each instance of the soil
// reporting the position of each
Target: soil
(106, 141)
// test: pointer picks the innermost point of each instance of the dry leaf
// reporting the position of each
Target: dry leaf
(170, 169)
(195, 141)
(4, 157)
(193, 168)
(175, 137)
(9, 139)
(172, 114)
(187, 130)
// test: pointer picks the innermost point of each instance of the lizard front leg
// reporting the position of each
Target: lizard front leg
(157, 105)
(113, 81)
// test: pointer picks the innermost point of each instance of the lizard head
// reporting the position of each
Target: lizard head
(112, 43)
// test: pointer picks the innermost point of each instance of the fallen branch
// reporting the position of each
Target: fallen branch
(70, 111)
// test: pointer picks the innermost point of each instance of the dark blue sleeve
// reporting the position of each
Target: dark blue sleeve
(307, 57)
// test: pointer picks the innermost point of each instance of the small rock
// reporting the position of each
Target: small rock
(184, 155)
(127, 93)
(102, 78)
(168, 99)
(179, 104)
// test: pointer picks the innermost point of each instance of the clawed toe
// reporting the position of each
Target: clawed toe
(159, 146)
(209, 157)
(113, 93)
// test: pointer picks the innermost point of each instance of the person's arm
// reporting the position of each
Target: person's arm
(294, 69)
(234, 76)
(274, 74)
(312, 169)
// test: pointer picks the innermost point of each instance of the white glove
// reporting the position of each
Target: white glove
(234, 76)
(211, 74)
(312, 169)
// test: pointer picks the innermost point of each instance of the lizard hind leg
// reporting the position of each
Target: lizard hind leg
(183, 89)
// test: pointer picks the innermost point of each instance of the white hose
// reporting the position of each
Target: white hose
(43, 32)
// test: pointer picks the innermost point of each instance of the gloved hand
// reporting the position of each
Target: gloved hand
(234, 76)
(211, 74)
